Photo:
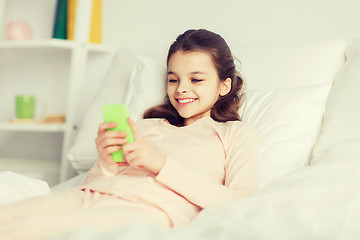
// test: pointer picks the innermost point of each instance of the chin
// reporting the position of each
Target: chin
(185, 115)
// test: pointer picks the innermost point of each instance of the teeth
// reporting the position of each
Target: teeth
(187, 100)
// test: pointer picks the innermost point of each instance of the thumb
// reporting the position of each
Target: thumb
(134, 129)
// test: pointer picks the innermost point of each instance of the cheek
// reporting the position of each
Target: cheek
(169, 90)
(171, 93)
(209, 91)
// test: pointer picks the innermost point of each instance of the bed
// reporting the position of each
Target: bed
(304, 105)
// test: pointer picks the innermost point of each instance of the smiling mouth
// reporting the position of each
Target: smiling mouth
(186, 100)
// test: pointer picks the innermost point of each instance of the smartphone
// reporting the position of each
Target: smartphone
(118, 113)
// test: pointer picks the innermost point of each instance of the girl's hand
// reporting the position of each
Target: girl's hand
(108, 142)
(139, 154)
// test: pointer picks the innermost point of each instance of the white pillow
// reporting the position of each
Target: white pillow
(112, 89)
(147, 86)
(15, 187)
(313, 63)
(340, 134)
(286, 65)
(288, 122)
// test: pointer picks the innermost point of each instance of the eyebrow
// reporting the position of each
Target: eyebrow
(192, 73)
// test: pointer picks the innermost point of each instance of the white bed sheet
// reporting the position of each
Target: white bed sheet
(317, 202)
(16, 187)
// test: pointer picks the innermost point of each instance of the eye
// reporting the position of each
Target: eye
(196, 80)
(173, 81)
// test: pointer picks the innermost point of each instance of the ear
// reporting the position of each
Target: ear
(225, 87)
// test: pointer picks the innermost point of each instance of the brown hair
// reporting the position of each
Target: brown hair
(227, 106)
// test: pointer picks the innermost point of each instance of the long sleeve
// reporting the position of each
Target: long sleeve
(240, 174)
(101, 169)
(208, 163)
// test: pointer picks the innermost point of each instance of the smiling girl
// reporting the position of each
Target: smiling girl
(193, 148)
(190, 153)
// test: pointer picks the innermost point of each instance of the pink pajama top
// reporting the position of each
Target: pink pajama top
(208, 163)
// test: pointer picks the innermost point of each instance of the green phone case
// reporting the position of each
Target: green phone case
(118, 113)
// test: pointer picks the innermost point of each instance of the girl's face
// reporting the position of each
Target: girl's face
(193, 84)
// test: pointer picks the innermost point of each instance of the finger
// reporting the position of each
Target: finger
(111, 142)
(105, 154)
(117, 136)
(114, 134)
(106, 125)
(130, 157)
(133, 160)
(129, 147)
(111, 149)
(134, 129)
(109, 134)
(122, 164)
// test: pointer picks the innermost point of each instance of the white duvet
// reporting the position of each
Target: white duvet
(317, 202)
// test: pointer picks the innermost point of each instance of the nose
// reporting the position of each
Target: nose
(182, 91)
(182, 87)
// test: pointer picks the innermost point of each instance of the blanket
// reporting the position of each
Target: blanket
(317, 202)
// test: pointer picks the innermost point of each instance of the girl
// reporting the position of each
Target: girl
(190, 153)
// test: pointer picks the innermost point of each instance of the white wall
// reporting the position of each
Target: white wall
(149, 26)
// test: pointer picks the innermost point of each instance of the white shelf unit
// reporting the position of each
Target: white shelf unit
(53, 43)
(78, 51)
(23, 127)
